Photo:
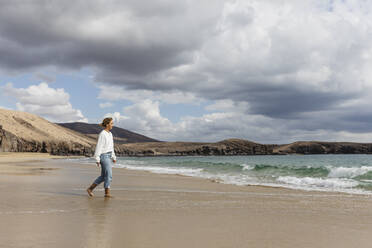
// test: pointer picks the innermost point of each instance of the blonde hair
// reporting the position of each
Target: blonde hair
(105, 122)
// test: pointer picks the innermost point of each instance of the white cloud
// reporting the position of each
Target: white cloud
(231, 121)
(145, 118)
(117, 117)
(53, 104)
(114, 93)
(105, 105)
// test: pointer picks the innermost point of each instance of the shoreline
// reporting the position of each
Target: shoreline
(51, 208)
(30, 157)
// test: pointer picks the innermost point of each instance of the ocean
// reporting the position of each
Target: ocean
(337, 173)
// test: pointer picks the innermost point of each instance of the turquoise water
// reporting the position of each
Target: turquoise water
(342, 173)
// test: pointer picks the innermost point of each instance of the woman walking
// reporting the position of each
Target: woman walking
(104, 156)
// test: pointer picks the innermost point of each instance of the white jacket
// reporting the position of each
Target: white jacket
(105, 144)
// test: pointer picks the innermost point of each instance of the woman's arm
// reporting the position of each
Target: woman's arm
(113, 156)
(99, 147)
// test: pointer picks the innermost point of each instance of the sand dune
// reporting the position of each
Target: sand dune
(32, 127)
(25, 132)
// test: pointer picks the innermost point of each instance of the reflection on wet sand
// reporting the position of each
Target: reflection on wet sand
(99, 228)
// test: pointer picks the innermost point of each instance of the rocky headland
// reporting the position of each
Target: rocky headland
(225, 147)
(320, 147)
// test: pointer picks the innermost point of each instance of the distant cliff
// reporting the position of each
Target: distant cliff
(318, 147)
(241, 147)
(226, 147)
(11, 143)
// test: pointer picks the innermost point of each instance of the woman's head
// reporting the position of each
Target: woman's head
(107, 123)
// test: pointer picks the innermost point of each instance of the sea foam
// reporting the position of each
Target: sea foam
(161, 170)
(330, 183)
(348, 172)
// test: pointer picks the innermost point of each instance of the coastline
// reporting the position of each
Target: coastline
(44, 204)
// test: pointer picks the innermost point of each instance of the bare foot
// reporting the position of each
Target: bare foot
(90, 192)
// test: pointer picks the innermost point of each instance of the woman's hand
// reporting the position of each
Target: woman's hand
(98, 164)
(114, 161)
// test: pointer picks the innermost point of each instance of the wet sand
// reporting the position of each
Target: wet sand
(44, 204)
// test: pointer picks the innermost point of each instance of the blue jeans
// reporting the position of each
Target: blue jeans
(106, 170)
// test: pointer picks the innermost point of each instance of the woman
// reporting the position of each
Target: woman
(104, 156)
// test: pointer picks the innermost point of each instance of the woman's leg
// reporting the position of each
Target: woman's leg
(98, 181)
(91, 188)
(108, 173)
(107, 163)
(101, 178)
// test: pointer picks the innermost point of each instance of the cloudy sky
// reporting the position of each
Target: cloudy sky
(271, 71)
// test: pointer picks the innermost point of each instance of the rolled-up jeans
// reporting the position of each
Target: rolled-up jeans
(106, 170)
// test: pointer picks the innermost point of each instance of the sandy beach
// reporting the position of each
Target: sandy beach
(44, 204)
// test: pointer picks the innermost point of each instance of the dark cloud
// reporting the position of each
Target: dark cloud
(356, 119)
(115, 36)
(293, 61)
